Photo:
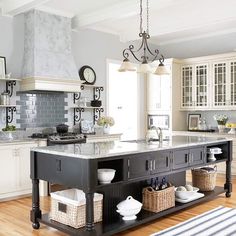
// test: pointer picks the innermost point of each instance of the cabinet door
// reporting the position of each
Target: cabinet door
(7, 169)
(187, 87)
(197, 156)
(23, 166)
(201, 73)
(220, 85)
(159, 93)
(180, 159)
(160, 162)
(138, 166)
(233, 83)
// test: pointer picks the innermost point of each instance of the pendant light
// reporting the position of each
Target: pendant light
(144, 58)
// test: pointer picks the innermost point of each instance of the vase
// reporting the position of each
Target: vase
(106, 129)
(221, 128)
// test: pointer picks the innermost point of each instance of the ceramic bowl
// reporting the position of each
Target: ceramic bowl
(105, 176)
(185, 194)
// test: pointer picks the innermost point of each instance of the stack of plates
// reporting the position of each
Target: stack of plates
(214, 150)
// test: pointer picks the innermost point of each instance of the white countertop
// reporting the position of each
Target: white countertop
(117, 148)
(205, 134)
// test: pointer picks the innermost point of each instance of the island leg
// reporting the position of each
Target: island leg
(35, 212)
(228, 183)
(89, 212)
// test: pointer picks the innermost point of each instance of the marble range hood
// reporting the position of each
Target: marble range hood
(48, 64)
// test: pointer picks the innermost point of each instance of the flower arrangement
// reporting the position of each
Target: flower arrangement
(105, 121)
(221, 119)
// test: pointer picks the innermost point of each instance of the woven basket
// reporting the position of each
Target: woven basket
(72, 215)
(157, 201)
(204, 180)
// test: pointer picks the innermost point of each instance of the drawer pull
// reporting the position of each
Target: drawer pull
(186, 158)
(58, 165)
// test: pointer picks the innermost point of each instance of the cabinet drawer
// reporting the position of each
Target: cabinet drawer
(180, 159)
(160, 162)
(138, 165)
(197, 156)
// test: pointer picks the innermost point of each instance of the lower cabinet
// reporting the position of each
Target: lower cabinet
(15, 169)
(160, 162)
(188, 157)
(23, 165)
(8, 170)
(148, 163)
(144, 164)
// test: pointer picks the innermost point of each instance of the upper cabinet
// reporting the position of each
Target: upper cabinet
(209, 83)
(159, 92)
(224, 85)
(194, 85)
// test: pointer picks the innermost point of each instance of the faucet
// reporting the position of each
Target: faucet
(159, 132)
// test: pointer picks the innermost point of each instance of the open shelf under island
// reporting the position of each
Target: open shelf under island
(76, 165)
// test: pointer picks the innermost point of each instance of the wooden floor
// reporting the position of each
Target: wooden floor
(14, 217)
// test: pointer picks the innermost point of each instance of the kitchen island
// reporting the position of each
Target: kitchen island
(135, 162)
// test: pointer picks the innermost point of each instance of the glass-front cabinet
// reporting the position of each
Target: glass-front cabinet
(201, 86)
(187, 87)
(233, 83)
(219, 88)
(224, 87)
(195, 92)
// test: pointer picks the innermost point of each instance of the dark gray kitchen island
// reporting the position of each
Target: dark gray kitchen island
(75, 165)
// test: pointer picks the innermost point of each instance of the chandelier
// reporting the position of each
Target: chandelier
(147, 55)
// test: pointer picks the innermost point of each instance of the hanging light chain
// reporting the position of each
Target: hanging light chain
(141, 16)
(147, 16)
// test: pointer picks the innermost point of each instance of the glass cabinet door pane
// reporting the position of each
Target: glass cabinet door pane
(187, 83)
(233, 83)
(201, 86)
(220, 84)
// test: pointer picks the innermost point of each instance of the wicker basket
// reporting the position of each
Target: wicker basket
(204, 180)
(69, 207)
(157, 201)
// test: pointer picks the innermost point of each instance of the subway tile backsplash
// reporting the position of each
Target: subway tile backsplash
(41, 109)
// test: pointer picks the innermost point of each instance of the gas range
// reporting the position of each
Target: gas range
(61, 138)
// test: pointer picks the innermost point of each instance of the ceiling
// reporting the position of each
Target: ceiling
(171, 21)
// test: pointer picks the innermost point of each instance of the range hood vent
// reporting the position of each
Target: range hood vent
(48, 64)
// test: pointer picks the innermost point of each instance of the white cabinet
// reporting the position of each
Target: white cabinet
(194, 87)
(209, 83)
(15, 168)
(7, 169)
(23, 166)
(159, 93)
(224, 85)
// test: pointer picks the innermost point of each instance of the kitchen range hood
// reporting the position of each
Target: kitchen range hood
(48, 64)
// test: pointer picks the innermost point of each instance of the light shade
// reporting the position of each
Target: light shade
(126, 66)
(162, 70)
(144, 68)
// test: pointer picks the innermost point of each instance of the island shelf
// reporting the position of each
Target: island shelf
(134, 169)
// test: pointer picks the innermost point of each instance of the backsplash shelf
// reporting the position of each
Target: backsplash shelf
(97, 110)
(10, 109)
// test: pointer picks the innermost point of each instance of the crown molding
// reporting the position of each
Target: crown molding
(15, 7)
(52, 11)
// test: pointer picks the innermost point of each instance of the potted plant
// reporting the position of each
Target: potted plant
(106, 122)
(221, 121)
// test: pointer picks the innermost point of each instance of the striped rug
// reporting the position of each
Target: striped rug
(220, 221)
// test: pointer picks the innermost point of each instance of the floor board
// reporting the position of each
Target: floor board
(14, 217)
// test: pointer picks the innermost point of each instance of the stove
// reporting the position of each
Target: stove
(61, 138)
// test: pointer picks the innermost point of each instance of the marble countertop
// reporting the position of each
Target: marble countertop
(210, 134)
(117, 148)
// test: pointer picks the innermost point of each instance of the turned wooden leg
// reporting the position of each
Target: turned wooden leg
(35, 213)
(89, 211)
(228, 183)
